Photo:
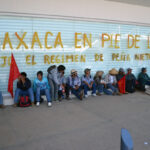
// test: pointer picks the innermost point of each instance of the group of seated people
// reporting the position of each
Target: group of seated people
(57, 87)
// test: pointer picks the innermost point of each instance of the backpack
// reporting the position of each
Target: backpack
(24, 101)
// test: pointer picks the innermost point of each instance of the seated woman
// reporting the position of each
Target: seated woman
(41, 87)
(130, 81)
(88, 83)
(119, 76)
(1, 100)
(74, 84)
(100, 84)
(143, 79)
(111, 81)
(23, 89)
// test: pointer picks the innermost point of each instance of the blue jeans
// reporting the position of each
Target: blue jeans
(147, 83)
(86, 89)
(20, 92)
(76, 92)
(53, 90)
(102, 89)
(40, 92)
(1, 98)
(114, 88)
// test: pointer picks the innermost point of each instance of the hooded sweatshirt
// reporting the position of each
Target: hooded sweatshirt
(53, 74)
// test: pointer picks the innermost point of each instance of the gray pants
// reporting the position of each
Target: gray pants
(53, 89)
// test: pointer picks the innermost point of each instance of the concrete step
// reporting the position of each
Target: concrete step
(8, 100)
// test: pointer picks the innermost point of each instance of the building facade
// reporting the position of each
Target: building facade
(41, 37)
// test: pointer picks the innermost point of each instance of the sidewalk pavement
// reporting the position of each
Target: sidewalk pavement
(92, 124)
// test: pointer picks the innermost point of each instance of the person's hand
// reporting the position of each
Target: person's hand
(62, 87)
(19, 78)
(102, 82)
(76, 87)
(90, 86)
(23, 80)
(114, 83)
(105, 85)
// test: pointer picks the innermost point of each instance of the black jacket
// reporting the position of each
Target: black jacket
(24, 86)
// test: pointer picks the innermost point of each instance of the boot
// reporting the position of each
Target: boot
(81, 95)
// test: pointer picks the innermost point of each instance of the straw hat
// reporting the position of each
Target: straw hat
(113, 71)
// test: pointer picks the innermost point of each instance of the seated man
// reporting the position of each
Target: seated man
(1, 100)
(88, 83)
(23, 89)
(41, 87)
(143, 79)
(111, 81)
(100, 84)
(130, 81)
(74, 84)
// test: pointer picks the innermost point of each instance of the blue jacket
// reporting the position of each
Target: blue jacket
(42, 84)
(88, 79)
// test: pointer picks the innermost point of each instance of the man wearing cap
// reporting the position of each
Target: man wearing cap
(143, 79)
(74, 84)
(88, 83)
(130, 81)
(111, 81)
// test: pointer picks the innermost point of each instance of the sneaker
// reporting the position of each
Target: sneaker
(37, 103)
(94, 94)
(49, 104)
(86, 96)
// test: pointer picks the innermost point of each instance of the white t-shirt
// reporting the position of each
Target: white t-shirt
(111, 79)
